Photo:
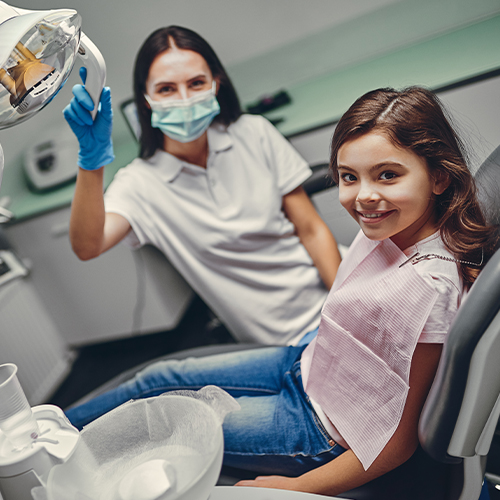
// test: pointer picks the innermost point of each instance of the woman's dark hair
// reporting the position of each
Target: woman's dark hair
(158, 42)
(415, 119)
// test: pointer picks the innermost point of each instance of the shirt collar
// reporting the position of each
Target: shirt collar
(414, 248)
(169, 166)
(219, 138)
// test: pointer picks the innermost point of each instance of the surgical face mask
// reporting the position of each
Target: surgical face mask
(184, 120)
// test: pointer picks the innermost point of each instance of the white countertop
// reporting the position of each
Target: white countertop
(246, 493)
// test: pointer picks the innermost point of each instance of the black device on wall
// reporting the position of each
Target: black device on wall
(129, 112)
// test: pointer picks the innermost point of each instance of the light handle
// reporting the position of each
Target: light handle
(96, 70)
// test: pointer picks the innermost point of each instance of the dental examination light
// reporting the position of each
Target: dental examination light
(38, 50)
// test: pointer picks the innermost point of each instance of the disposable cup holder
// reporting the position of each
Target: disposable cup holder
(17, 421)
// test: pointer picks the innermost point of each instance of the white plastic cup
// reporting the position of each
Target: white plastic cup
(17, 421)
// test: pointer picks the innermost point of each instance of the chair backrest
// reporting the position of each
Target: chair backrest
(462, 387)
(488, 183)
(319, 180)
(462, 409)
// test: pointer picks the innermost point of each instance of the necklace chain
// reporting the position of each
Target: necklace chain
(416, 258)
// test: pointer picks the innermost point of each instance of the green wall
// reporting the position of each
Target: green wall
(435, 43)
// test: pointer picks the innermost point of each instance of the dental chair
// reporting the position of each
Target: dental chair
(319, 180)
(459, 419)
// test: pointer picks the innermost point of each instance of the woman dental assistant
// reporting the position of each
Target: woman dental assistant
(218, 192)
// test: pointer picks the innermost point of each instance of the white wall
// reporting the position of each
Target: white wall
(475, 111)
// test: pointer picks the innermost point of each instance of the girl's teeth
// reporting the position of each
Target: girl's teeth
(372, 216)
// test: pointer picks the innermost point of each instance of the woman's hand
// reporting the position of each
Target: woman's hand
(276, 482)
(94, 136)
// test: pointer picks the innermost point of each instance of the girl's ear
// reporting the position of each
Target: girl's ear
(441, 182)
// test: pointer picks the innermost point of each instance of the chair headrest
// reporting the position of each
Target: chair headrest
(488, 187)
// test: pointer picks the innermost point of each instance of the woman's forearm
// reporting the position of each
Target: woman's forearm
(323, 250)
(86, 230)
(314, 234)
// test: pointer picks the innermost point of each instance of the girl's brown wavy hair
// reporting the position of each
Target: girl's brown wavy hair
(415, 119)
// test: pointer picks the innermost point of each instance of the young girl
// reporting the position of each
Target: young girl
(344, 410)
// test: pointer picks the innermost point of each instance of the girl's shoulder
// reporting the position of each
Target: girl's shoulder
(435, 264)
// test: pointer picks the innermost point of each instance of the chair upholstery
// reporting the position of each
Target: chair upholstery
(461, 412)
(488, 183)
(445, 399)
(319, 180)
(195, 352)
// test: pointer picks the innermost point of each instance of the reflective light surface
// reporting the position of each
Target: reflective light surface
(38, 65)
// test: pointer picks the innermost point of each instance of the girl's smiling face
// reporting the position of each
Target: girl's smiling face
(388, 190)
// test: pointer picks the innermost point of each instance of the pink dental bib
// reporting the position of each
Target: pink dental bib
(361, 357)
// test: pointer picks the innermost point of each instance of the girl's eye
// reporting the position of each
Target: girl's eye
(348, 177)
(387, 176)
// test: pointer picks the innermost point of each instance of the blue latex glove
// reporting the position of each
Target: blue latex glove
(94, 136)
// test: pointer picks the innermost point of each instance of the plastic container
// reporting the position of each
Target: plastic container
(23, 471)
(163, 448)
(16, 418)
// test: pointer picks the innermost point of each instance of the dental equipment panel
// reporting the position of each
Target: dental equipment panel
(32, 440)
(51, 163)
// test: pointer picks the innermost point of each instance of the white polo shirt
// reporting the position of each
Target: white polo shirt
(224, 230)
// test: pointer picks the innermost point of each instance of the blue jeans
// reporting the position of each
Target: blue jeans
(275, 432)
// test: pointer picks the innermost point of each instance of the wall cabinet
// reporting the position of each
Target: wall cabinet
(121, 293)
(30, 339)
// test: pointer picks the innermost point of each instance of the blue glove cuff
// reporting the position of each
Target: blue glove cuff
(96, 158)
